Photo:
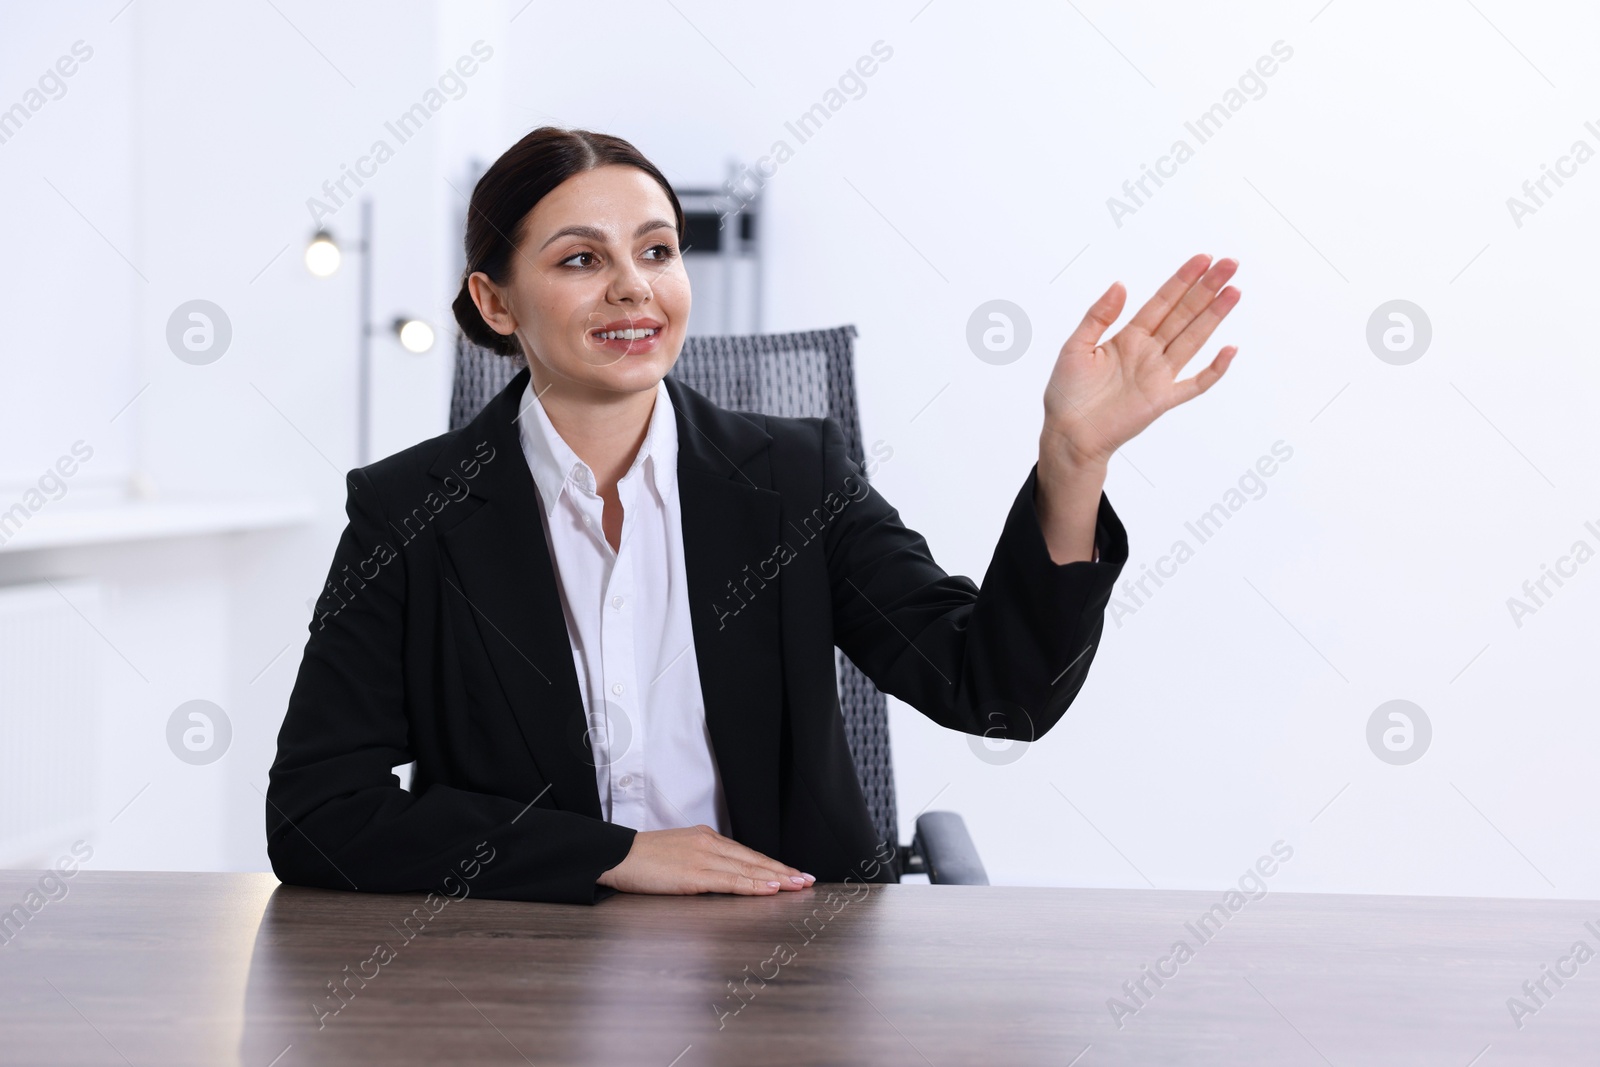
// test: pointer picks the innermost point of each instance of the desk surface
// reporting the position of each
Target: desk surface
(147, 968)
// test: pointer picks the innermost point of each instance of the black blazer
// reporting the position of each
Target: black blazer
(439, 638)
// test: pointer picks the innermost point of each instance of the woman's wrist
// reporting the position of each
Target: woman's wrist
(1067, 500)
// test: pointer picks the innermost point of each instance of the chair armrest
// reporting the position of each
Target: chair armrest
(947, 850)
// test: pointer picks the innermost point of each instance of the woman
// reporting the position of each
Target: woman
(601, 617)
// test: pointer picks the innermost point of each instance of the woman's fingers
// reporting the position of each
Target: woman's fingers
(770, 870)
(1183, 347)
(1195, 301)
(763, 878)
(747, 879)
(734, 882)
(1101, 314)
(756, 868)
(1190, 388)
(1171, 291)
(733, 850)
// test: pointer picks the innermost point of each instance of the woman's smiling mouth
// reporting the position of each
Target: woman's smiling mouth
(627, 338)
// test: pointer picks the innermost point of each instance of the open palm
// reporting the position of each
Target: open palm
(1102, 394)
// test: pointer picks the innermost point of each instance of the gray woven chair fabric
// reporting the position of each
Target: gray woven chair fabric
(809, 373)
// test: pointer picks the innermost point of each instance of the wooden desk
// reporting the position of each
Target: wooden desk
(225, 968)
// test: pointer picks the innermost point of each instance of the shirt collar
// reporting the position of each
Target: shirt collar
(554, 464)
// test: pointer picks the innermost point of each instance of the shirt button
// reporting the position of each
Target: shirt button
(625, 780)
(588, 521)
(616, 602)
(617, 688)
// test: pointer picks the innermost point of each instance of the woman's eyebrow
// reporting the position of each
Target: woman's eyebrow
(595, 234)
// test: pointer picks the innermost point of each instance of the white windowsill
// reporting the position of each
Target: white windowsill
(142, 520)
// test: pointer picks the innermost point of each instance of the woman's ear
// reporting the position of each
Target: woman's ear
(491, 303)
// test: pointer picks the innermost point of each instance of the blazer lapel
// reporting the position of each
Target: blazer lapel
(504, 573)
(731, 529)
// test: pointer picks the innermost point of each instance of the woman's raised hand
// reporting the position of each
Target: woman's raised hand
(1103, 393)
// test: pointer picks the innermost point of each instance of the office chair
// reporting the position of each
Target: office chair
(804, 374)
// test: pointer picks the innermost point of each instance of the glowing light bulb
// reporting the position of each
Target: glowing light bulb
(322, 254)
(415, 335)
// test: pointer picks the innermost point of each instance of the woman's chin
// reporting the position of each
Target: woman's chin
(623, 374)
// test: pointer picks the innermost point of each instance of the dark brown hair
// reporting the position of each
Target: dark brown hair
(507, 192)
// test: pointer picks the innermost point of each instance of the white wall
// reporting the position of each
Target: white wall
(1231, 706)
(191, 142)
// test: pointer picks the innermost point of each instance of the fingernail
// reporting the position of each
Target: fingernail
(774, 885)
(798, 879)
(812, 877)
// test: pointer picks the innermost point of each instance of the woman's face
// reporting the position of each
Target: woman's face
(598, 254)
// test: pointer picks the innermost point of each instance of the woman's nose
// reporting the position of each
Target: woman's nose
(630, 285)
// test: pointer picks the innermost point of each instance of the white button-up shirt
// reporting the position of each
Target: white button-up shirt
(627, 615)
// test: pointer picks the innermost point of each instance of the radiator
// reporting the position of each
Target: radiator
(49, 722)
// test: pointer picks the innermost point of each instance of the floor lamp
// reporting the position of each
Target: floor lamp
(322, 259)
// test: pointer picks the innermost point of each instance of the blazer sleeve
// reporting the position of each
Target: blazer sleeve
(1004, 659)
(337, 817)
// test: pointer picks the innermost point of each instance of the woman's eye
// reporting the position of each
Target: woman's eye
(661, 253)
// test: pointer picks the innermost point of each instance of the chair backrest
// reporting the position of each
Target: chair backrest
(805, 374)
